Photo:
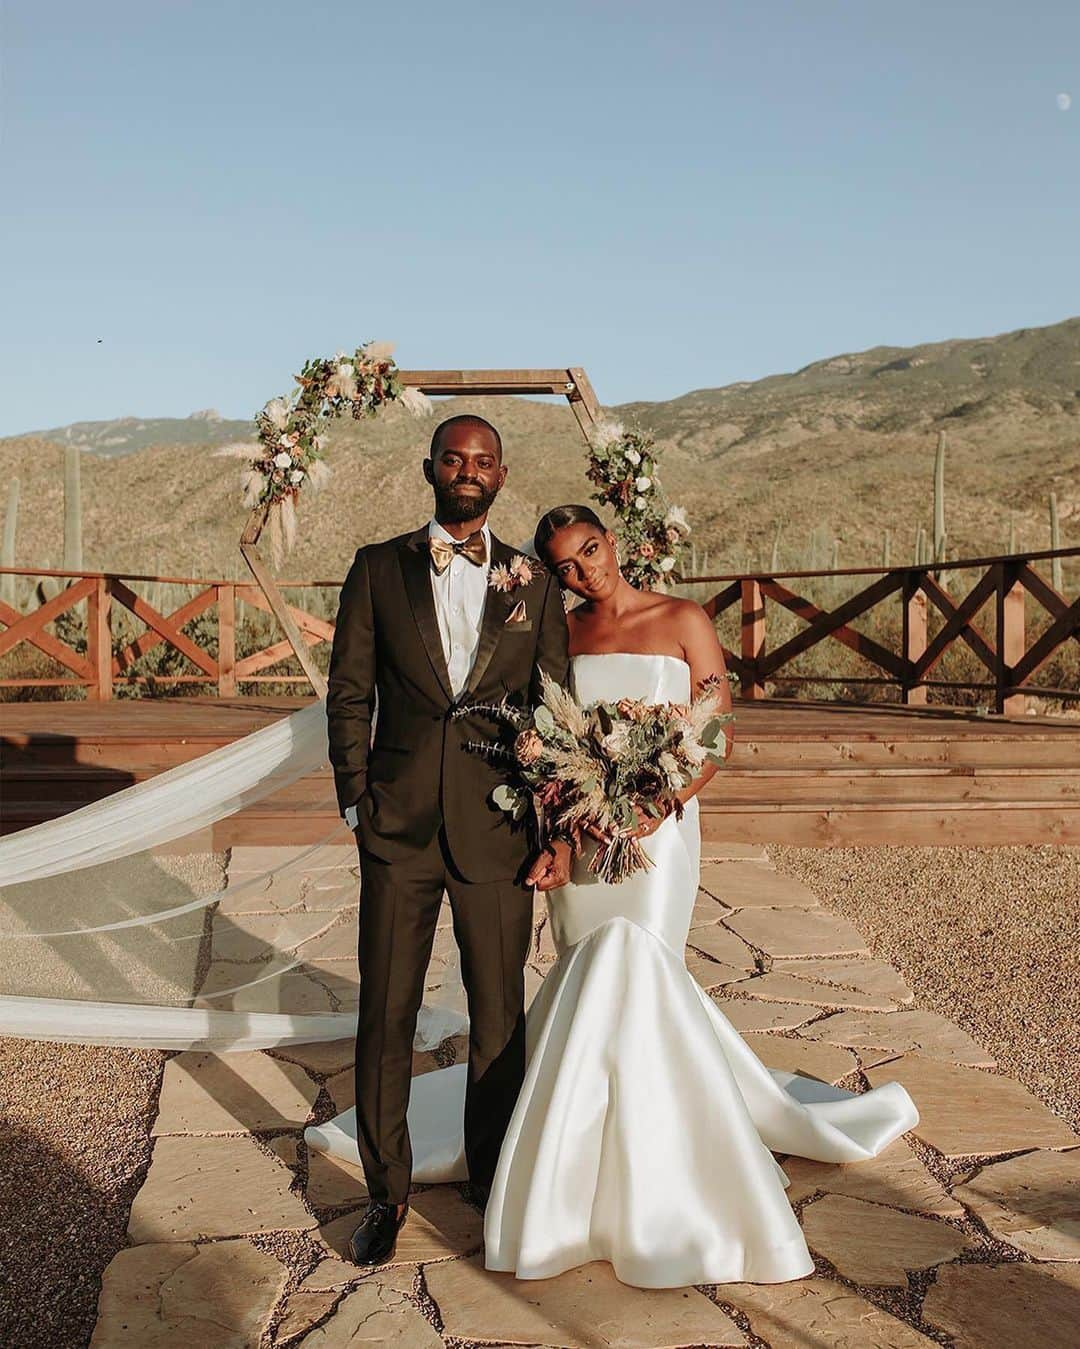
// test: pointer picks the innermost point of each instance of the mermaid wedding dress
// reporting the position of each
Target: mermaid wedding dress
(644, 1130)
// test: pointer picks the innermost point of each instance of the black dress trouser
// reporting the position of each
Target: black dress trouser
(399, 909)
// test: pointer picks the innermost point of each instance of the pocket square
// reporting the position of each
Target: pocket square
(517, 614)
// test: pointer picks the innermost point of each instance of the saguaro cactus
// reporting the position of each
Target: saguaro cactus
(920, 544)
(7, 548)
(72, 508)
(816, 552)
(1056, 579)
(940, 536)
(774, 561)
(885, 549)
(834, 566)
(939, 499)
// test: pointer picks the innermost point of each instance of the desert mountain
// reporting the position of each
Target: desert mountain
(840, 450)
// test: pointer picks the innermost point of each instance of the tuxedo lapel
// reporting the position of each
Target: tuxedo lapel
(416, 572)
(497, 607)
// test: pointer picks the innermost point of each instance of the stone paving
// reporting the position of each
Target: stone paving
(965, 1233)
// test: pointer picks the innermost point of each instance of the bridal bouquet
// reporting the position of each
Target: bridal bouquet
(589, 767)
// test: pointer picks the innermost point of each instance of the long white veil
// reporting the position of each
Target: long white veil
(123, 923)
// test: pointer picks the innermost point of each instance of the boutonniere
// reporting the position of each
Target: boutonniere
(509, 576)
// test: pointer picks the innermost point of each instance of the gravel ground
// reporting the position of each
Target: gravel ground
(74, 1148)
(75, 1119)
(986, 936)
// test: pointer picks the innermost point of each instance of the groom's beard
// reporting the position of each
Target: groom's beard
(454, 507)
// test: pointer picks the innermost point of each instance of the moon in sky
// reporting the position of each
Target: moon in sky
(1064, 102)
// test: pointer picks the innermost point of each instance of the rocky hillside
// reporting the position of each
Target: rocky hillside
(128, 435)
(840, 450)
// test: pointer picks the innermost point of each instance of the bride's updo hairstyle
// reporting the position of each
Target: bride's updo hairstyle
(558, 518)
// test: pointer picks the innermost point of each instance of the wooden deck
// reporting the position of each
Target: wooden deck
(813, 774)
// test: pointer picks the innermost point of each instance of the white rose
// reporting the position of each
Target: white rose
(666, 563)
(345, 369)
(640, 503)
(669, 766)
(643, 484)
(282, 460)
(634, 457)
(296, 475)
(617, 741)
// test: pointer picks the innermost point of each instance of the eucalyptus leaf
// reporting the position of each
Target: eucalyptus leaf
(545, 722)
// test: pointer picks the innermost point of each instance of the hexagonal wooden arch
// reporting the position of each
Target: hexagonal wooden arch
(572, 382)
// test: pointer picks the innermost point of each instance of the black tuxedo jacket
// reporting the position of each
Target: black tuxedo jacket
(416, 773)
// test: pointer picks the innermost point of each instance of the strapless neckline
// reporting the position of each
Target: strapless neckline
(645, 655)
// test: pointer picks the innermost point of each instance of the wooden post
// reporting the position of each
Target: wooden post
(751, 636)
(99, 641)
(582, 400)
(1009, 606)
(226, 607)
(276, 601)
(914, 638)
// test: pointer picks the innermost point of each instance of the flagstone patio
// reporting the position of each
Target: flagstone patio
(966, 1233)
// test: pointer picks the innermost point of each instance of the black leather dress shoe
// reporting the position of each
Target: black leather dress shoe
(374, 1240)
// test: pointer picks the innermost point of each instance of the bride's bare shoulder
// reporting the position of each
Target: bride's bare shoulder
(671, 613)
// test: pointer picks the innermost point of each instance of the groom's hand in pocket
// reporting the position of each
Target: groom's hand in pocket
(551, 867)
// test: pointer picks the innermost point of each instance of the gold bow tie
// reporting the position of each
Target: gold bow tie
(443, 551)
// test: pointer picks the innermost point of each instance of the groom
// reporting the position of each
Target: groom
(421, 627)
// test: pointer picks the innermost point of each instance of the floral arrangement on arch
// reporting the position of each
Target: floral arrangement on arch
(289, 429)
(623, 465)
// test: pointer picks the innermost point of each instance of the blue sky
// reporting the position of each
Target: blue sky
(675, 196)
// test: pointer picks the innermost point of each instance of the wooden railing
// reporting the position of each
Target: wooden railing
(100, 668)
(1003, 650)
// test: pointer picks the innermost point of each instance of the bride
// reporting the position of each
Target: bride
(644, 1131)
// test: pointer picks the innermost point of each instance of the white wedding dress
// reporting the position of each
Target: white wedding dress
(643, 1129)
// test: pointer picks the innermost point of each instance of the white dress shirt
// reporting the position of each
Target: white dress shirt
(459, 592)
